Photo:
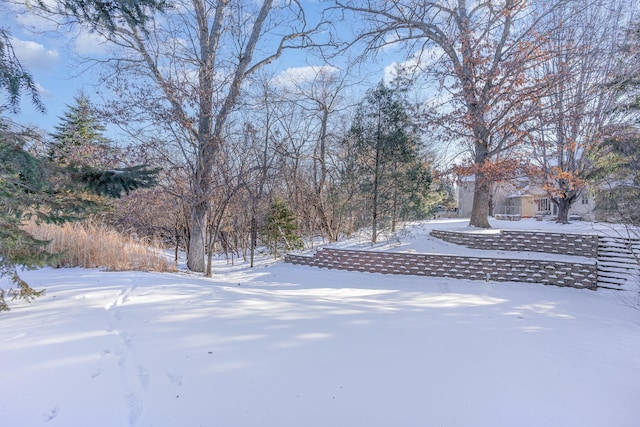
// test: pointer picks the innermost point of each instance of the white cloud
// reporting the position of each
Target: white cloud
(44, 92)
(34, 55)
(33, 21)
(393, 41)
(296, 75)
(90, 44)
(416, 63)
(390, 71)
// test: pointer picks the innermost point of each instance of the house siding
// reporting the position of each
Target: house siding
(525, 204)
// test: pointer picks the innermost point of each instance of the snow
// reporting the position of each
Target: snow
(285, 345)
(414, 237)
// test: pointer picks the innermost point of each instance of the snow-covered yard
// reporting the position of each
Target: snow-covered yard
(283, 345)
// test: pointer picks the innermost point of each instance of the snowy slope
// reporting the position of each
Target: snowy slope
(283, 345)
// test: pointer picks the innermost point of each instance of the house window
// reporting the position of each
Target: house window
(585, 199)
(543, 205)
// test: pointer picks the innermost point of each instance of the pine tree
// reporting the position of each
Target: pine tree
(40, 188)
(88, 157)
(280, 229)
(21, 180)
(79, 138)
(107, 13)
(36, 188)
(391, 169)
(14, 79)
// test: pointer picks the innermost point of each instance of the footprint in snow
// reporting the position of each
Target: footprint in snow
(51, 414)
(174, 379)
(143, 376)
(135, 406)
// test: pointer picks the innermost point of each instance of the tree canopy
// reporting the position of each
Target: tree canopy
(53, 188)
(390, 166)
(14, 79)
(35, 188)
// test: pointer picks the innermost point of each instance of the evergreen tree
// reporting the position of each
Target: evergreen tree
(81, 149)
(78, 139)
(36, 188)
(391, 169)
(21, 180)
(107, 13)
(14, 79)
(280, 229)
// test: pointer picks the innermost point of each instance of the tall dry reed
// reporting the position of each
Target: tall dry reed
(91, 246)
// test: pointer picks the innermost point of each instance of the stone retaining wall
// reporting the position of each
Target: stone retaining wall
(533, 241)
(575, 275)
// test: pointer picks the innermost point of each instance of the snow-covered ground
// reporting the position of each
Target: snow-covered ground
(414, 237)
(283, 345)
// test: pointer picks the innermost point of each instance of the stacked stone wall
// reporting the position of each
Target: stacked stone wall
(578, 275)
(532, 241)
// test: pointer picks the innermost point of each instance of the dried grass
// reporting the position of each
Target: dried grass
(92, 246)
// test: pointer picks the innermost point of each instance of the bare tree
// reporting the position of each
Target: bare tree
(320, 98)
(483, 51)
(576, 107)
(182, 72)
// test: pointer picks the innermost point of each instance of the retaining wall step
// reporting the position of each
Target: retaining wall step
(604, 285)
(617, 268)
(608, 271)
(619, 239)
(616, 258)
(611, 284)
(617, 262)
(609, 249)
(612, 274)
(622, 260)
(618, 243)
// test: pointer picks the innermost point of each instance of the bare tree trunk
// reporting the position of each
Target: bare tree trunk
(482, 189)
(480, 209)
(213, 42)
(374, 212)
(564, 204)
(490, 46)
(254, 238)
(197, 239)
(325, 222)
(376, 184)
(394, 211)
(492, 201)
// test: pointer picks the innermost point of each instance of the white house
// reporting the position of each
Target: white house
(520, 199)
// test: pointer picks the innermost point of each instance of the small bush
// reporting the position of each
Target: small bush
(92, 246)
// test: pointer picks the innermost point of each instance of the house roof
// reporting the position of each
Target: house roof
(527, 191)
(615, 184)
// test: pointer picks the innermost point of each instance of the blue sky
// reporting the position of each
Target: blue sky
(49, 53)
(47, 57)
(51, 56)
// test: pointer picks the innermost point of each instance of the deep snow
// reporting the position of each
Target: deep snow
(284, 345)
